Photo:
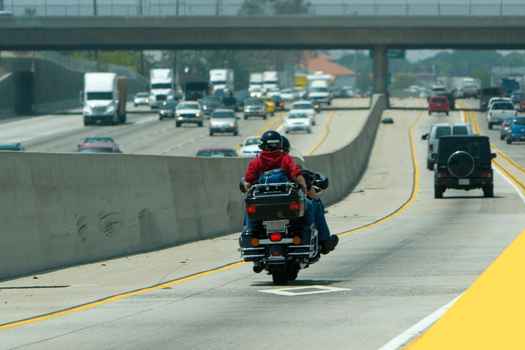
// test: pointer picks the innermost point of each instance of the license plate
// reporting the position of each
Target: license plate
(464, 181)
(276, 226)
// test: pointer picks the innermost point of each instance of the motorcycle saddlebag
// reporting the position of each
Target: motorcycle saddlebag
(280, 201)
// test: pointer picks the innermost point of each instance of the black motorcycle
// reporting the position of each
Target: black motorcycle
(279, 240)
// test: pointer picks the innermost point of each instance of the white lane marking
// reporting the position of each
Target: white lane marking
(417, 329)
(420, 327)
(308, 290)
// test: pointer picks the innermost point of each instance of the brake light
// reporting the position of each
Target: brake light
(276, 236)
(295, 206)
(251, 209)
(486, 173)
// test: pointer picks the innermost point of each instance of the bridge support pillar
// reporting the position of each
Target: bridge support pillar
(381, 71)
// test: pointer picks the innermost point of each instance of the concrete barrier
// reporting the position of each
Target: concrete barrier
(65, 209)
(7, 93)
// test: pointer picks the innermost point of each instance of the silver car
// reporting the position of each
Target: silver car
(224, 121)
(141, 99)
(189, 112)
(298, 121)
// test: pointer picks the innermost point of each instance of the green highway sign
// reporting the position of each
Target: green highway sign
(391, 53)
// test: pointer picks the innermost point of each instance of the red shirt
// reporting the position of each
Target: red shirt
(268, 161)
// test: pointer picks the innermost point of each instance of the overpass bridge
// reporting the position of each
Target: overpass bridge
(379, 33)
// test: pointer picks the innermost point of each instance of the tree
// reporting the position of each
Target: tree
(254, 8)
(290, 7)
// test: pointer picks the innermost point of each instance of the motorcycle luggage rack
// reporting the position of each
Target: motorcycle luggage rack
(264, 190)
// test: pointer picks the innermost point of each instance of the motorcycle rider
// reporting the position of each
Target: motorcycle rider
(327, 241)
(273, 157)
(278, 166)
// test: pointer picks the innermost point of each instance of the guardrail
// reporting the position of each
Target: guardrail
(228, 8)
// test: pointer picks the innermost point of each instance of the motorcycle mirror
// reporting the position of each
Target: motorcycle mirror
(424, 136)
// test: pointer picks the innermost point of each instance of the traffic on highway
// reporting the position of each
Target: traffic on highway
(231, 198)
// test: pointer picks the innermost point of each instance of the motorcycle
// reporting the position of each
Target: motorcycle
(279, 240)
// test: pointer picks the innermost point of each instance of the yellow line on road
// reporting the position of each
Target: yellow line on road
(326, 133)
(117, 297)
(510, 160)
(121, 296)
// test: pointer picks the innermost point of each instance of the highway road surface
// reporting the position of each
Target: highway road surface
(402, 255)
(145, 134)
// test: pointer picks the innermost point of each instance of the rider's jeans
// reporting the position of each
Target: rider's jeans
(320, 219)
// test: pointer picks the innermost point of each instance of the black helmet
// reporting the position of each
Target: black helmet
(271, 141)
(286, 144)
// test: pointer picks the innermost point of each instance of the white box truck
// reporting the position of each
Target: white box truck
(320, 88)
(271, 81)
(256, 82)
(105, 97)
(162, 85)
(222, 79)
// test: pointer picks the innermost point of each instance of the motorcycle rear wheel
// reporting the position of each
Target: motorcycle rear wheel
(293, 272)
(280, 275)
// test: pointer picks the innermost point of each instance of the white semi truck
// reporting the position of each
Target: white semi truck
(256, 84)
(105, 96)
(221, 79)
(162, 85)
(271, 81)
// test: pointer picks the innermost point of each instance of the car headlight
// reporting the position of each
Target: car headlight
(87, 110)
(110, 109)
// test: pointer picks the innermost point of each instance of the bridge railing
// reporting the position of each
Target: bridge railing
(231, 8)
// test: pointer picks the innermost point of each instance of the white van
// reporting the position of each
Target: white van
(442, 129)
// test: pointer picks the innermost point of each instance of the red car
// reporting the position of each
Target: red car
(438, 104)
(98, 145)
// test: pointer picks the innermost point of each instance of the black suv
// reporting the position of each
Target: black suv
(464, 162)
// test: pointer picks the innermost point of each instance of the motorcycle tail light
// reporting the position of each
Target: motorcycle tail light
(251, 209)
(295, 206)
(276, 236)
